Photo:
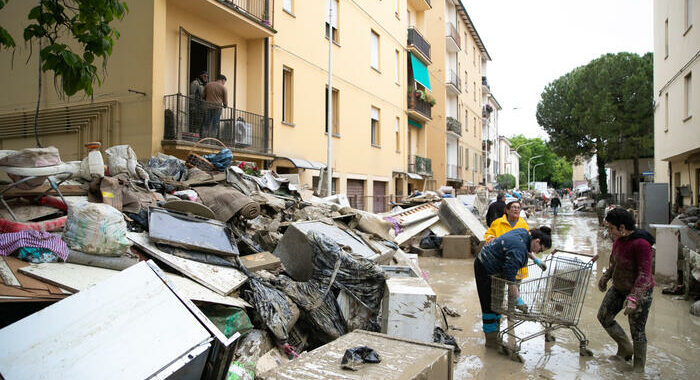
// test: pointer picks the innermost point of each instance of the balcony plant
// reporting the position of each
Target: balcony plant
(425, 96)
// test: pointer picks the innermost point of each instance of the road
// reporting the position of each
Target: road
(673, 334)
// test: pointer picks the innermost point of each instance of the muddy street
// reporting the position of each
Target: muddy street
(673, 334)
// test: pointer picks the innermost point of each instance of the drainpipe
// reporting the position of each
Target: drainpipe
(266, 111)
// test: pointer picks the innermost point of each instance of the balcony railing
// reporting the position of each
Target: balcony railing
(452, 171)
(415, 103)
(453, 125)
(186, 120)
(453, 79)
(420, 165)
(417, 40)
(452, 33)
(258, 10)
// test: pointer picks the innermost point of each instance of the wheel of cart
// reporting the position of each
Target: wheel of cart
(553, 297)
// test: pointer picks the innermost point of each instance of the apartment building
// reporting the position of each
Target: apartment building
(455, 131)
(144, 98)
(495, 159)
(676, 98)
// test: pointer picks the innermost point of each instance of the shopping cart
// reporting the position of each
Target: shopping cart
(554, 297)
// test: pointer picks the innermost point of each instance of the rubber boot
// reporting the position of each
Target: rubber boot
(492, 340)
(624, 346)
(640, 356)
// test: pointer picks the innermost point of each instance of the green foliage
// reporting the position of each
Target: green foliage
(556, 170)
(603, 108)
(505, 181)
(87, 22)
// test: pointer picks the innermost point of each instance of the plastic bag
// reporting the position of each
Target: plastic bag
(167, 167)
(431, 242)
(276, 309)
(229, 320)
(96, 228)
(221, 160)
(122, 159)
(440, 336)
(356, 356)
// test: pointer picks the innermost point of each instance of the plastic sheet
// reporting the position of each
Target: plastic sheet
(122, 159)
(276, 309)
(167, 167)
(221, 160)
(96, 228)
(356, 356)
(440, 336)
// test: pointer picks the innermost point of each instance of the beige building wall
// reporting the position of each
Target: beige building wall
(677, 97)
(578, 172)
(301, 46)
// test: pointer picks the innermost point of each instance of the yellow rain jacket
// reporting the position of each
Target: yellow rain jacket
(499, 227)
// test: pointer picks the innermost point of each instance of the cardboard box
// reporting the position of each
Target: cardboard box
(401, 359)
(456, 246)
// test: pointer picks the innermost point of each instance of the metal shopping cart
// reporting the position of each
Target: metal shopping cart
(554, 297)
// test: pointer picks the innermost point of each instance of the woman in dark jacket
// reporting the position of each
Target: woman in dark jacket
(504, 256)
(633, 284)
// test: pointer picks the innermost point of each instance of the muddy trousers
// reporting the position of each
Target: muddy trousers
(612, 304)
(490, 320)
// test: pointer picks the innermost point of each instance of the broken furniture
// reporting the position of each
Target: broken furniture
(456, 246)
(191, 232)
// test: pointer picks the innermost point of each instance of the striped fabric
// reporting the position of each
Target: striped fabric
(11, 242)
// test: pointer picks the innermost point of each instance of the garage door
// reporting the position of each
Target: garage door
(379, 197)
(356, 193)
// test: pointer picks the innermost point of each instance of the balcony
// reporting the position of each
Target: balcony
(420, 165)
(257, 10)
(242, 131)
(418, 107)
(485, 88)
(453, 172)
(420, 5)
(486, 111)
(454, 126)
(418, 45)
(453, 83)
(248, 19)
(453, 40)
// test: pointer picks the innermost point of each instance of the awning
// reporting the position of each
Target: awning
(414, 123)
(420, 72)
(414, 176)
(302, 163)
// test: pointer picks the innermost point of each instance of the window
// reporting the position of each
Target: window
(666, 38)
(287, 6)
(474, 55)
(666, 112)
(688, 14)
(397, 67)
(396, 8)
(475, 162)
(466, 81)
(375, 126)
(374, 51)
(332, 23)
(287, 95)
(466, 158)
(474, 90)
(466, 120)
(459, 156)
(465, 42)
(688, 96)
(397, 134)
(335, 100)
(474, 126)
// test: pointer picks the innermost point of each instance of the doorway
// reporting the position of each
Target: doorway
(204, 57)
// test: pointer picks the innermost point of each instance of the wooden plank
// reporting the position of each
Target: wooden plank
(66, 190)
(414, 229)
(261, 261)
(222, 280)
(8, 278)
(76, 278)
(26, 213)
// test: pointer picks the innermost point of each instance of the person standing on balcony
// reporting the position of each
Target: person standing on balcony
(216, 99)
(196, 101)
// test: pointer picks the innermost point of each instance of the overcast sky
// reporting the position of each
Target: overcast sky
(533, 42)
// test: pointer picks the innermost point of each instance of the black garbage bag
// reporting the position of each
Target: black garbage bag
(356, 356)
(440, 336)
(276, 309)
(319, 310)
(361, 278)
(431, 242)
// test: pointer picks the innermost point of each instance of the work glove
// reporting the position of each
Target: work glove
(603, 284)
(630, 306)
(521, 305)
(540, 264)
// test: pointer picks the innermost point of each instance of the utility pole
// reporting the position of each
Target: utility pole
(528, 169)
(329, 120)
(534, 179)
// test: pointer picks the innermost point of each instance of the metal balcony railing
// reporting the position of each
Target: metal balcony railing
(452, 33)
(453, 79)
(415, 103)
(417, 40)
(258, 10)
(453, 125)
(420, 165)
(186, 120)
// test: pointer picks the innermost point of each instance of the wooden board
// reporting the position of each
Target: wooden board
(220, 279)
(65, 190)
(261, 261)
(77, 278)
(6, 275)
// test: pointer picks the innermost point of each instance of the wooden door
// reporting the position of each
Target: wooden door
(356, 193)
(379, 197)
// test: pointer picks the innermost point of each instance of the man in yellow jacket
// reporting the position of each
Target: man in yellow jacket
(509, 221)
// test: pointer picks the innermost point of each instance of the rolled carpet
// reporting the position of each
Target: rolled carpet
(226, 202)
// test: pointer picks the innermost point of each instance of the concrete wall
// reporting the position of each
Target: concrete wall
(676, 134)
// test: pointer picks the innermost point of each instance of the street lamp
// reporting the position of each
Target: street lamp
(528, 169)
(522, 145)
(533, 171)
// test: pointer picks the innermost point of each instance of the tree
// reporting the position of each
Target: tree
(555, 170)
(603, 108)
(505, 181)
(72, 35)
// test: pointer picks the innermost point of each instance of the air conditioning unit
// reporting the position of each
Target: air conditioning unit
(244, 133)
